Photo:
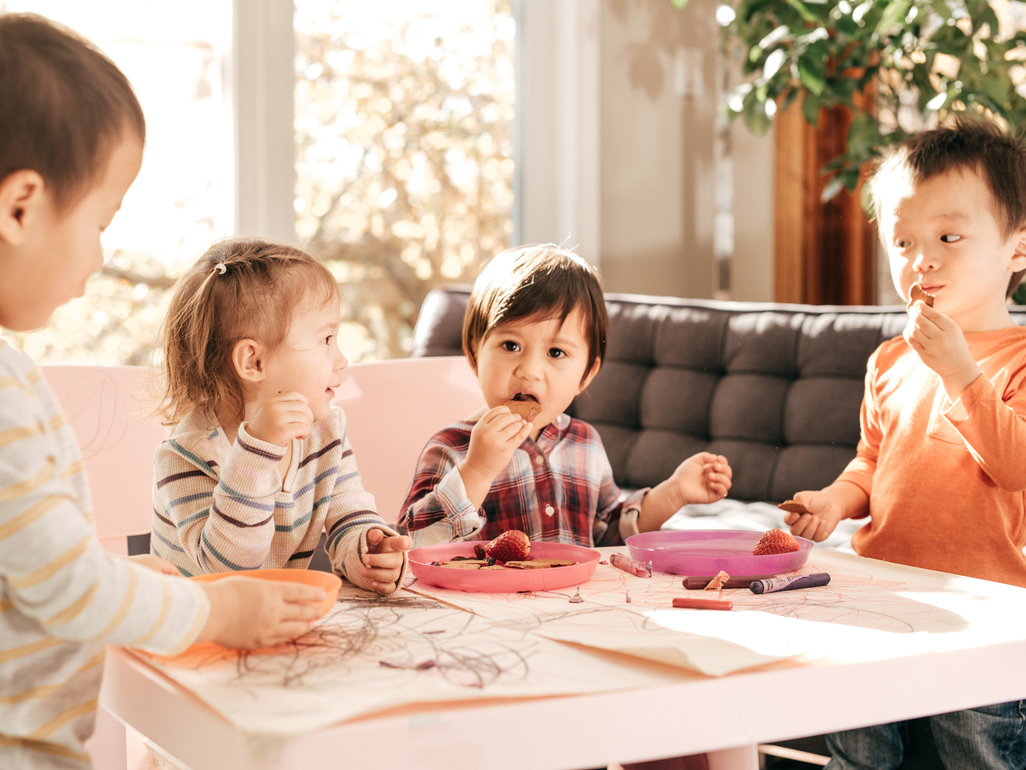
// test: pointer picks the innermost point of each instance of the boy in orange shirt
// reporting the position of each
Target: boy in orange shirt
(939, 469)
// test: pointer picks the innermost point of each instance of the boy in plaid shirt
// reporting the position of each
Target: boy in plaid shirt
(535, 330)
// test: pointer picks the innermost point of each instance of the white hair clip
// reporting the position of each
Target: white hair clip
(221, 268)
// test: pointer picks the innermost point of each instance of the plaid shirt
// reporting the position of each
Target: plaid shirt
(557, 489)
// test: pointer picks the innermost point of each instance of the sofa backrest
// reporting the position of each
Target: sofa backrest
(775, 388)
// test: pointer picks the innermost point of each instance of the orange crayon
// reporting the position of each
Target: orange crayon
(685, 603)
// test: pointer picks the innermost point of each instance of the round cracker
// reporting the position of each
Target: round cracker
(526, 409)
(915, 292)
(792, 506)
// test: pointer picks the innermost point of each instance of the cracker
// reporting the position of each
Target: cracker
(792, 506)
(526, 409)
(531, 564)
(462, 565)
(556, 562)
(915, 292)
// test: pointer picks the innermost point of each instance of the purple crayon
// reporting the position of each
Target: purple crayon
(787, 583)
(620, 561)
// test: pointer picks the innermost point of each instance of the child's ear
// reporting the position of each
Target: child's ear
(591, 375)
(247, 358)
(1019, 257)
(21, 193)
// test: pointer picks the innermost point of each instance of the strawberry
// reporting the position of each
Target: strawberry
(509, 546)
(775, 541)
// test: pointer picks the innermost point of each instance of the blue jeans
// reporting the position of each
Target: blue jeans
(986, 738)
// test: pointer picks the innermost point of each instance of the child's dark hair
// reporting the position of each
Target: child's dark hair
(241, 288)
(64, 106)
(536, 282)
(976, 145)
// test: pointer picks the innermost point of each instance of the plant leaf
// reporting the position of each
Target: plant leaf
(893, 14)
(941, 8)
(754, 113)
(810, 109)
(811, 72)
(863, 135)
(832, 188)
(810, 15)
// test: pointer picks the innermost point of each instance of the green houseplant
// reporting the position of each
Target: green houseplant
(897, 65)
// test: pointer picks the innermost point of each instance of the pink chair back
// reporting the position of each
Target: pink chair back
(393, 408)
(106, 407)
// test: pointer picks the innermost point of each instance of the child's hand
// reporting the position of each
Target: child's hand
(702, 478)
(155, 563)
(247, 613)
(825, 511)
(493, 441)
(383, 562)
(941, 345)
(282, 418)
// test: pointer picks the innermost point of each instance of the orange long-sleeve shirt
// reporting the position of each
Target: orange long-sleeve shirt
(946, 481)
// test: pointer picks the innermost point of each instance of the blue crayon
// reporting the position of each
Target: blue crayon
(787, 583)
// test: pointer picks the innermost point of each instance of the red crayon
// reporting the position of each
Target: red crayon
(687, 603)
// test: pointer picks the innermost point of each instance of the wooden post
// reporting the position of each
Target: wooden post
(824, 253)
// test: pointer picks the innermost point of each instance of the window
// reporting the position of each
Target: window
(174, 55)
(404, 151)
(403, 154)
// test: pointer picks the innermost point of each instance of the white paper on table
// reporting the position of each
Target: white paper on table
(717, 643)
(271, 697)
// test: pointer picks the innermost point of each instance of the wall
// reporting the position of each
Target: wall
(657, 184)
(752, 261)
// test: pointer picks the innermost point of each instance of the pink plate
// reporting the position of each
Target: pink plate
(707, 551)
(507, 580)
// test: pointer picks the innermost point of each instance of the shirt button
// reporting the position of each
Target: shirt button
(549, 510)
(538, 459)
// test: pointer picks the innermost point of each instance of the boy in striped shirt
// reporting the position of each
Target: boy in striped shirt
(72, 138)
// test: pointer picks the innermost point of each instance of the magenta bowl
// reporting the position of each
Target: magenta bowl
(707, 551)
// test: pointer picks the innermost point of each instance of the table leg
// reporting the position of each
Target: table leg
(107, 744)
(741, 758)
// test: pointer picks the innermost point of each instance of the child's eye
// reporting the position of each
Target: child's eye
(557, 353)
(951, 238)
(510, 346)
(327, 340)
(901, 244)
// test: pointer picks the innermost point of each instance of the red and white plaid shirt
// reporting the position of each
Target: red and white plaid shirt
(557, 489)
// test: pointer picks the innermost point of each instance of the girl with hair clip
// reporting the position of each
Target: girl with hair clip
(258, 464)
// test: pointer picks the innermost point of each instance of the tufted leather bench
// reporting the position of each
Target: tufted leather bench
(774, 388)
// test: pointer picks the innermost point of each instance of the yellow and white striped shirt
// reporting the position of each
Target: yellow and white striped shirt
(62, 598)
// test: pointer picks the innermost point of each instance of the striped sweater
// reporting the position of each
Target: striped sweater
(220, 507)
(62, 598)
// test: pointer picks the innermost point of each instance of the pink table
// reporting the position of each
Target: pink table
(968, 651)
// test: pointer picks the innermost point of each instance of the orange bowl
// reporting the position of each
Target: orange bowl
(329, 582)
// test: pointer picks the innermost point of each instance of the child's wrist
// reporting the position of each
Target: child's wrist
(219, 609)
(470, 471)
(669, 495)
(957, 383)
